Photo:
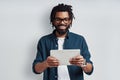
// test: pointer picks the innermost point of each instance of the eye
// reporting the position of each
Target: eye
(57, 19)
(66, 19)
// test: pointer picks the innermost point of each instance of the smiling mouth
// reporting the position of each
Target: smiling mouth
(62, 27)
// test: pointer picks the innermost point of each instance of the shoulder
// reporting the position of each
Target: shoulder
(45, 38)
(74, 35)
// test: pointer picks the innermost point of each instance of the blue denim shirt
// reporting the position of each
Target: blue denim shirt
(72, 41)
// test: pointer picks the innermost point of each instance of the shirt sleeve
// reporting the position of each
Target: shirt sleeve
(39, 56)
(85, 53)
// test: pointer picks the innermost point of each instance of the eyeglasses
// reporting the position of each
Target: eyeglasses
(65, 20)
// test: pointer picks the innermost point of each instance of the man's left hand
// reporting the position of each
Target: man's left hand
(77, 60)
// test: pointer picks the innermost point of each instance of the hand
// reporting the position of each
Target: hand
(52, 61)
(77, 60)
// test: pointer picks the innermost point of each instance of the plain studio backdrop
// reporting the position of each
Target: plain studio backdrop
(23, 22)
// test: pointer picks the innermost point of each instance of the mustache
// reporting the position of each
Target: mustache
(62, 25)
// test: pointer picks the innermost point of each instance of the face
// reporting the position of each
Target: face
(62, 22)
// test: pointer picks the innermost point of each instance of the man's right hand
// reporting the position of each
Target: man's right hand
(52, 61)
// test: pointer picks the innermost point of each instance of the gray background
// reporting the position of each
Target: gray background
(23, 22)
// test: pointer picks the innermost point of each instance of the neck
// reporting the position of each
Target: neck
(60, 35)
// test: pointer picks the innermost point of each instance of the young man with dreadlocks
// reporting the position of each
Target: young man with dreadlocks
(61, 19)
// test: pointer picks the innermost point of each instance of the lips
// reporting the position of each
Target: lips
(62, 26)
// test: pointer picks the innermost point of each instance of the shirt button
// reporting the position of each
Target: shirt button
(55, 76)
(56, 45)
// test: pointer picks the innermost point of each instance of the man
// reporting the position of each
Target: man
(61, 19)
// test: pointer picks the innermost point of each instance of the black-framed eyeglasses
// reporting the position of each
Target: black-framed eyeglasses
(65, 20)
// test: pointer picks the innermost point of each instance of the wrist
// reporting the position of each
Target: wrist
(84, 63)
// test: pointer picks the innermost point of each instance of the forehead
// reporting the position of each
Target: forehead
(62, 14)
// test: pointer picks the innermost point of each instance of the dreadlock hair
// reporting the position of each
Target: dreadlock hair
(61, 7)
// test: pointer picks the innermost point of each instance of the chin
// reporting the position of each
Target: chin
(62, 31)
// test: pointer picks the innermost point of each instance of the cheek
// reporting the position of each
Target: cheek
(70, 22)
(54, 24)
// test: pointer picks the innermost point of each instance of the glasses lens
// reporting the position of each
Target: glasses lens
(65, 20)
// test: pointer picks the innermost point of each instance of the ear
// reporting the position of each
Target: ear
(70, 22)
(52, 24)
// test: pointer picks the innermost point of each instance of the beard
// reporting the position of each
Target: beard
(62, 31)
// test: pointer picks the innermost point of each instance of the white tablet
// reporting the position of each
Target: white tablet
(65, 55)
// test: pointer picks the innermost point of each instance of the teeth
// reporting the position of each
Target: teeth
(62, 27)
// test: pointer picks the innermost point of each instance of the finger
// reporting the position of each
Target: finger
(52, 61)
(74, 59)
(53, 64)
(51, 58)
(76, 63)
(77, 57)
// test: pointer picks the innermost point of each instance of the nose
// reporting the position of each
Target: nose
(62, 22)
